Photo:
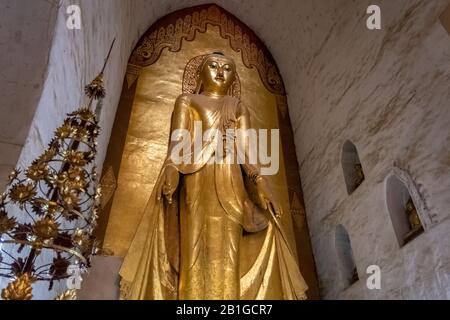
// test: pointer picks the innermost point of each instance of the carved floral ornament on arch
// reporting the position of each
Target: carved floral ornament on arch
(170, 31)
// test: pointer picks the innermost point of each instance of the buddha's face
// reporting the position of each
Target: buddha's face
(217, 74)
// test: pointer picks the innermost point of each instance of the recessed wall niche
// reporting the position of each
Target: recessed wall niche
(346, 262)
(351, 165)
(405, 207)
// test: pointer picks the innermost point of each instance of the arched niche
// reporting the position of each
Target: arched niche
(351, 165)
(406, 207)
(154, 79)
(346, 262)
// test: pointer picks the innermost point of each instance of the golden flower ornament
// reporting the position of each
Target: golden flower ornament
(64, 131)
(46, 229)
(75, 158)
(48, 207)
(68, 295)
(75, 178)
(21, 193)
(6, 224)
(69, 197)
(48, 155)
(19, 289)
(84, 114)
(54, 195)
(80, 134)
(37, 171)
(96, 88)
(79, 237)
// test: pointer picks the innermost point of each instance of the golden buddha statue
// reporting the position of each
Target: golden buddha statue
(187, 245)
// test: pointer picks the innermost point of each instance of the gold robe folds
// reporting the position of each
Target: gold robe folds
(189, 249)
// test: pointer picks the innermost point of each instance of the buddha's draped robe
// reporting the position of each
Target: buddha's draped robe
(189, 249)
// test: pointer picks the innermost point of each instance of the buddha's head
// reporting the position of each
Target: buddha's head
(216, 74)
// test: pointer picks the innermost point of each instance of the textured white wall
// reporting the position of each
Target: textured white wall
(386, 90)
(26, 32)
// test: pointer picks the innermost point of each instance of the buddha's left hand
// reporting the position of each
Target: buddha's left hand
(266, 198)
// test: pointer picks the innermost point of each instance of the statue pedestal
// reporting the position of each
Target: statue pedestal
(102, 281)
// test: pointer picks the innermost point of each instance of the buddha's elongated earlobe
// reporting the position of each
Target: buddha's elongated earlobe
(199, 86)
(198, 81)
(232, 87)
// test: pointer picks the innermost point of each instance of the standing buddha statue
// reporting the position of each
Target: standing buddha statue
(187, 245)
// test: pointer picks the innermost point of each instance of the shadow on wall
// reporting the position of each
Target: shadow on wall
(346, 262)
(353, 171)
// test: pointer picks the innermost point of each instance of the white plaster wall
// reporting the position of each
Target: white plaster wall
(386, 90)
(26, 32)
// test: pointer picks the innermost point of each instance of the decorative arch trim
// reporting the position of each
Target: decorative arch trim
(170, 31)
(419, 203)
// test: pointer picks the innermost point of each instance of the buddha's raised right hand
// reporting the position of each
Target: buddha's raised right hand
(168, 183)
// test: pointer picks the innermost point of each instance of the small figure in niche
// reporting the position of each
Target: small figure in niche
(415, 225)
(359, 175)
(355, 276)
(413, 216)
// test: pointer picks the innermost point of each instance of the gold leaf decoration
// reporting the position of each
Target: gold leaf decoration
(96, 88)
(48, 155)
(68, 295)
(75, 158)
(84, 114)
(37, 171)
(70, 197)
(6, 224)
(48, 206)
(21, 193)
(64, 131)
(46, 228)
(183, 25)
(19, 289)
